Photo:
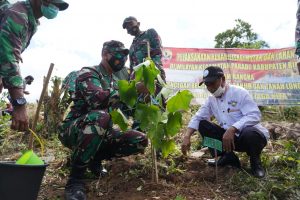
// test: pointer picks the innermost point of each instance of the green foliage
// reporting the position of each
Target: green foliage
(180, 101)
(147, 73)
(292, 113)
(167, 147)
(279, 113)
(174, 123)
(161, 126)
(118, 117)
(128, 92)
(180, 198)
(241, 36)
(148, 116)
(282, 180)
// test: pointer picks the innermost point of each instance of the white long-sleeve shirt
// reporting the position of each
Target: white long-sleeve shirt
(235, 108)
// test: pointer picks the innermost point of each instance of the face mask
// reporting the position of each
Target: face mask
(117, 63)
(219, 92)
(133, 31)
(50, 11)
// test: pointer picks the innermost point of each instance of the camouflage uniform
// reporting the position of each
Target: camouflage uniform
(138, 50)
(87, 129)
(17, 26)
(68, 85)
(3, 5)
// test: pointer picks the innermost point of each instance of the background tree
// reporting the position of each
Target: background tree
(241, 36)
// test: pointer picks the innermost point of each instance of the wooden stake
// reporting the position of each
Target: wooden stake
(38, 109)
(216, 156)
(153, 152)
(154, 165)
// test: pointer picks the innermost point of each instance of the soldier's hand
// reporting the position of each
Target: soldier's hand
(141, 88)
(19, 118)
(114, 98)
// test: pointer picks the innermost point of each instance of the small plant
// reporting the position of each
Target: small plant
(161, 124)
(180, 198)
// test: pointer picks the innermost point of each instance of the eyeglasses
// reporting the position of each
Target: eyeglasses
(119, 54)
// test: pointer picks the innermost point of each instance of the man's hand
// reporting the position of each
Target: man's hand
(19, 118)
(186, 145)
(228, 139)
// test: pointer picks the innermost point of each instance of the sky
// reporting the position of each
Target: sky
(74, 39)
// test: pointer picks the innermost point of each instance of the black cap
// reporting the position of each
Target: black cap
(211, 73)
(29, 77)
(127, 20)
(62, 5)
(114, 46)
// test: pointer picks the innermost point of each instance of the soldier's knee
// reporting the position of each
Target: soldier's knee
(100, 118)
(137, 137)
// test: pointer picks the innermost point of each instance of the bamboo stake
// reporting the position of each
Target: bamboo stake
(153, 152)
(38, 109)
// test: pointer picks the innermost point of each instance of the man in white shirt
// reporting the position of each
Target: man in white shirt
(239, 118)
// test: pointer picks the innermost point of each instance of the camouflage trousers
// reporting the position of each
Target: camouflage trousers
(91, 137)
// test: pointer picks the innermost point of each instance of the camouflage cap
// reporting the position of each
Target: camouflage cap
(128, 19)
(114, 46)
(62, 5)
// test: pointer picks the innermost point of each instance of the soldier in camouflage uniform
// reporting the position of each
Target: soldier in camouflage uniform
(138, 49)
(297, 36)
(3, 5)
(87, 129)
(18, 23)
(68, 86)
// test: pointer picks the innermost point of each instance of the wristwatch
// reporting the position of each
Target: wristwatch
(19, 101)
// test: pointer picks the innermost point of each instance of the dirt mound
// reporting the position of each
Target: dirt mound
(129, 180)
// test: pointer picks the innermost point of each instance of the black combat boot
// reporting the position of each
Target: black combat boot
(228, 159)
(256, 167)
(75, 187)
(97, 169)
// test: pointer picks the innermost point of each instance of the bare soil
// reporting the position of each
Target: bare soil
(128, 180)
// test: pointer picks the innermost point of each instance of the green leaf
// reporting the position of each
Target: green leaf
(180, 101)
(118, 118)
(138, 73)
(150, 73)
(156, 135)
(166, 92)
(127, 91)
(148, 116)
(167, 147)
(174, 123)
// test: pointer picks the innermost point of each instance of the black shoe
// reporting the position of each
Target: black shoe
(256, 167)
(75, 190)
(227, 159)
(97, 169)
